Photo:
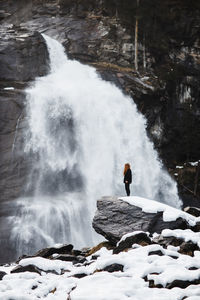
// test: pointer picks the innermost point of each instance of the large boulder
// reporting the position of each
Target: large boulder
(115, 217)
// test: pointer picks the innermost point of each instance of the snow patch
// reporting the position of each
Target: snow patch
(169, 213)
(101, 285)
(46, 264)
(187, 235)
(9, 88)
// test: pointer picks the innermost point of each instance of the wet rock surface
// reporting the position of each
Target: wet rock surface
(23, 56)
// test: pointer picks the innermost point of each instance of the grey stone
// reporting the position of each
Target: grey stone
(114, 268)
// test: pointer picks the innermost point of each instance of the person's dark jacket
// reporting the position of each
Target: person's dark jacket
(128, 176)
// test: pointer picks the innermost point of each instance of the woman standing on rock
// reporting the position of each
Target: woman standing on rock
(127, 178)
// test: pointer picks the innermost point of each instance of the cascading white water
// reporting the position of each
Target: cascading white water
(81, 132)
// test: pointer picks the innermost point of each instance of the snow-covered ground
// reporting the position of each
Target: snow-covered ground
(59, 281)
(102, 285)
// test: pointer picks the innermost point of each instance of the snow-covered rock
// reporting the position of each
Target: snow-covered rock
(195, 211)
(137, 237)
(60, 249)
(115, 217)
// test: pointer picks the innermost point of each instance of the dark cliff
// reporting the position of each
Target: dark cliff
(150, 49)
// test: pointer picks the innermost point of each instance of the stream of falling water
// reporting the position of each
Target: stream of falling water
(81, 132)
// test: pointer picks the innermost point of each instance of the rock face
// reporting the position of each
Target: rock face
(23, 56)
(115, 218)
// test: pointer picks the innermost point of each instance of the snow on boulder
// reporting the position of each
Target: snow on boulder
(2, 274)
(195, 211)
(116, 217)
(60, 249)
(136, 237)
(42, 264)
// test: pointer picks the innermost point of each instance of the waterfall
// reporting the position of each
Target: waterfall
(82, 130)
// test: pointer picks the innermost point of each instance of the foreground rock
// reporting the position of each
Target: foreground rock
(115, 217)
(23, 56)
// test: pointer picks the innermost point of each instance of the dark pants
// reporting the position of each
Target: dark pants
(127, 188)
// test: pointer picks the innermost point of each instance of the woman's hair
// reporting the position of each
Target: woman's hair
(126, 167)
